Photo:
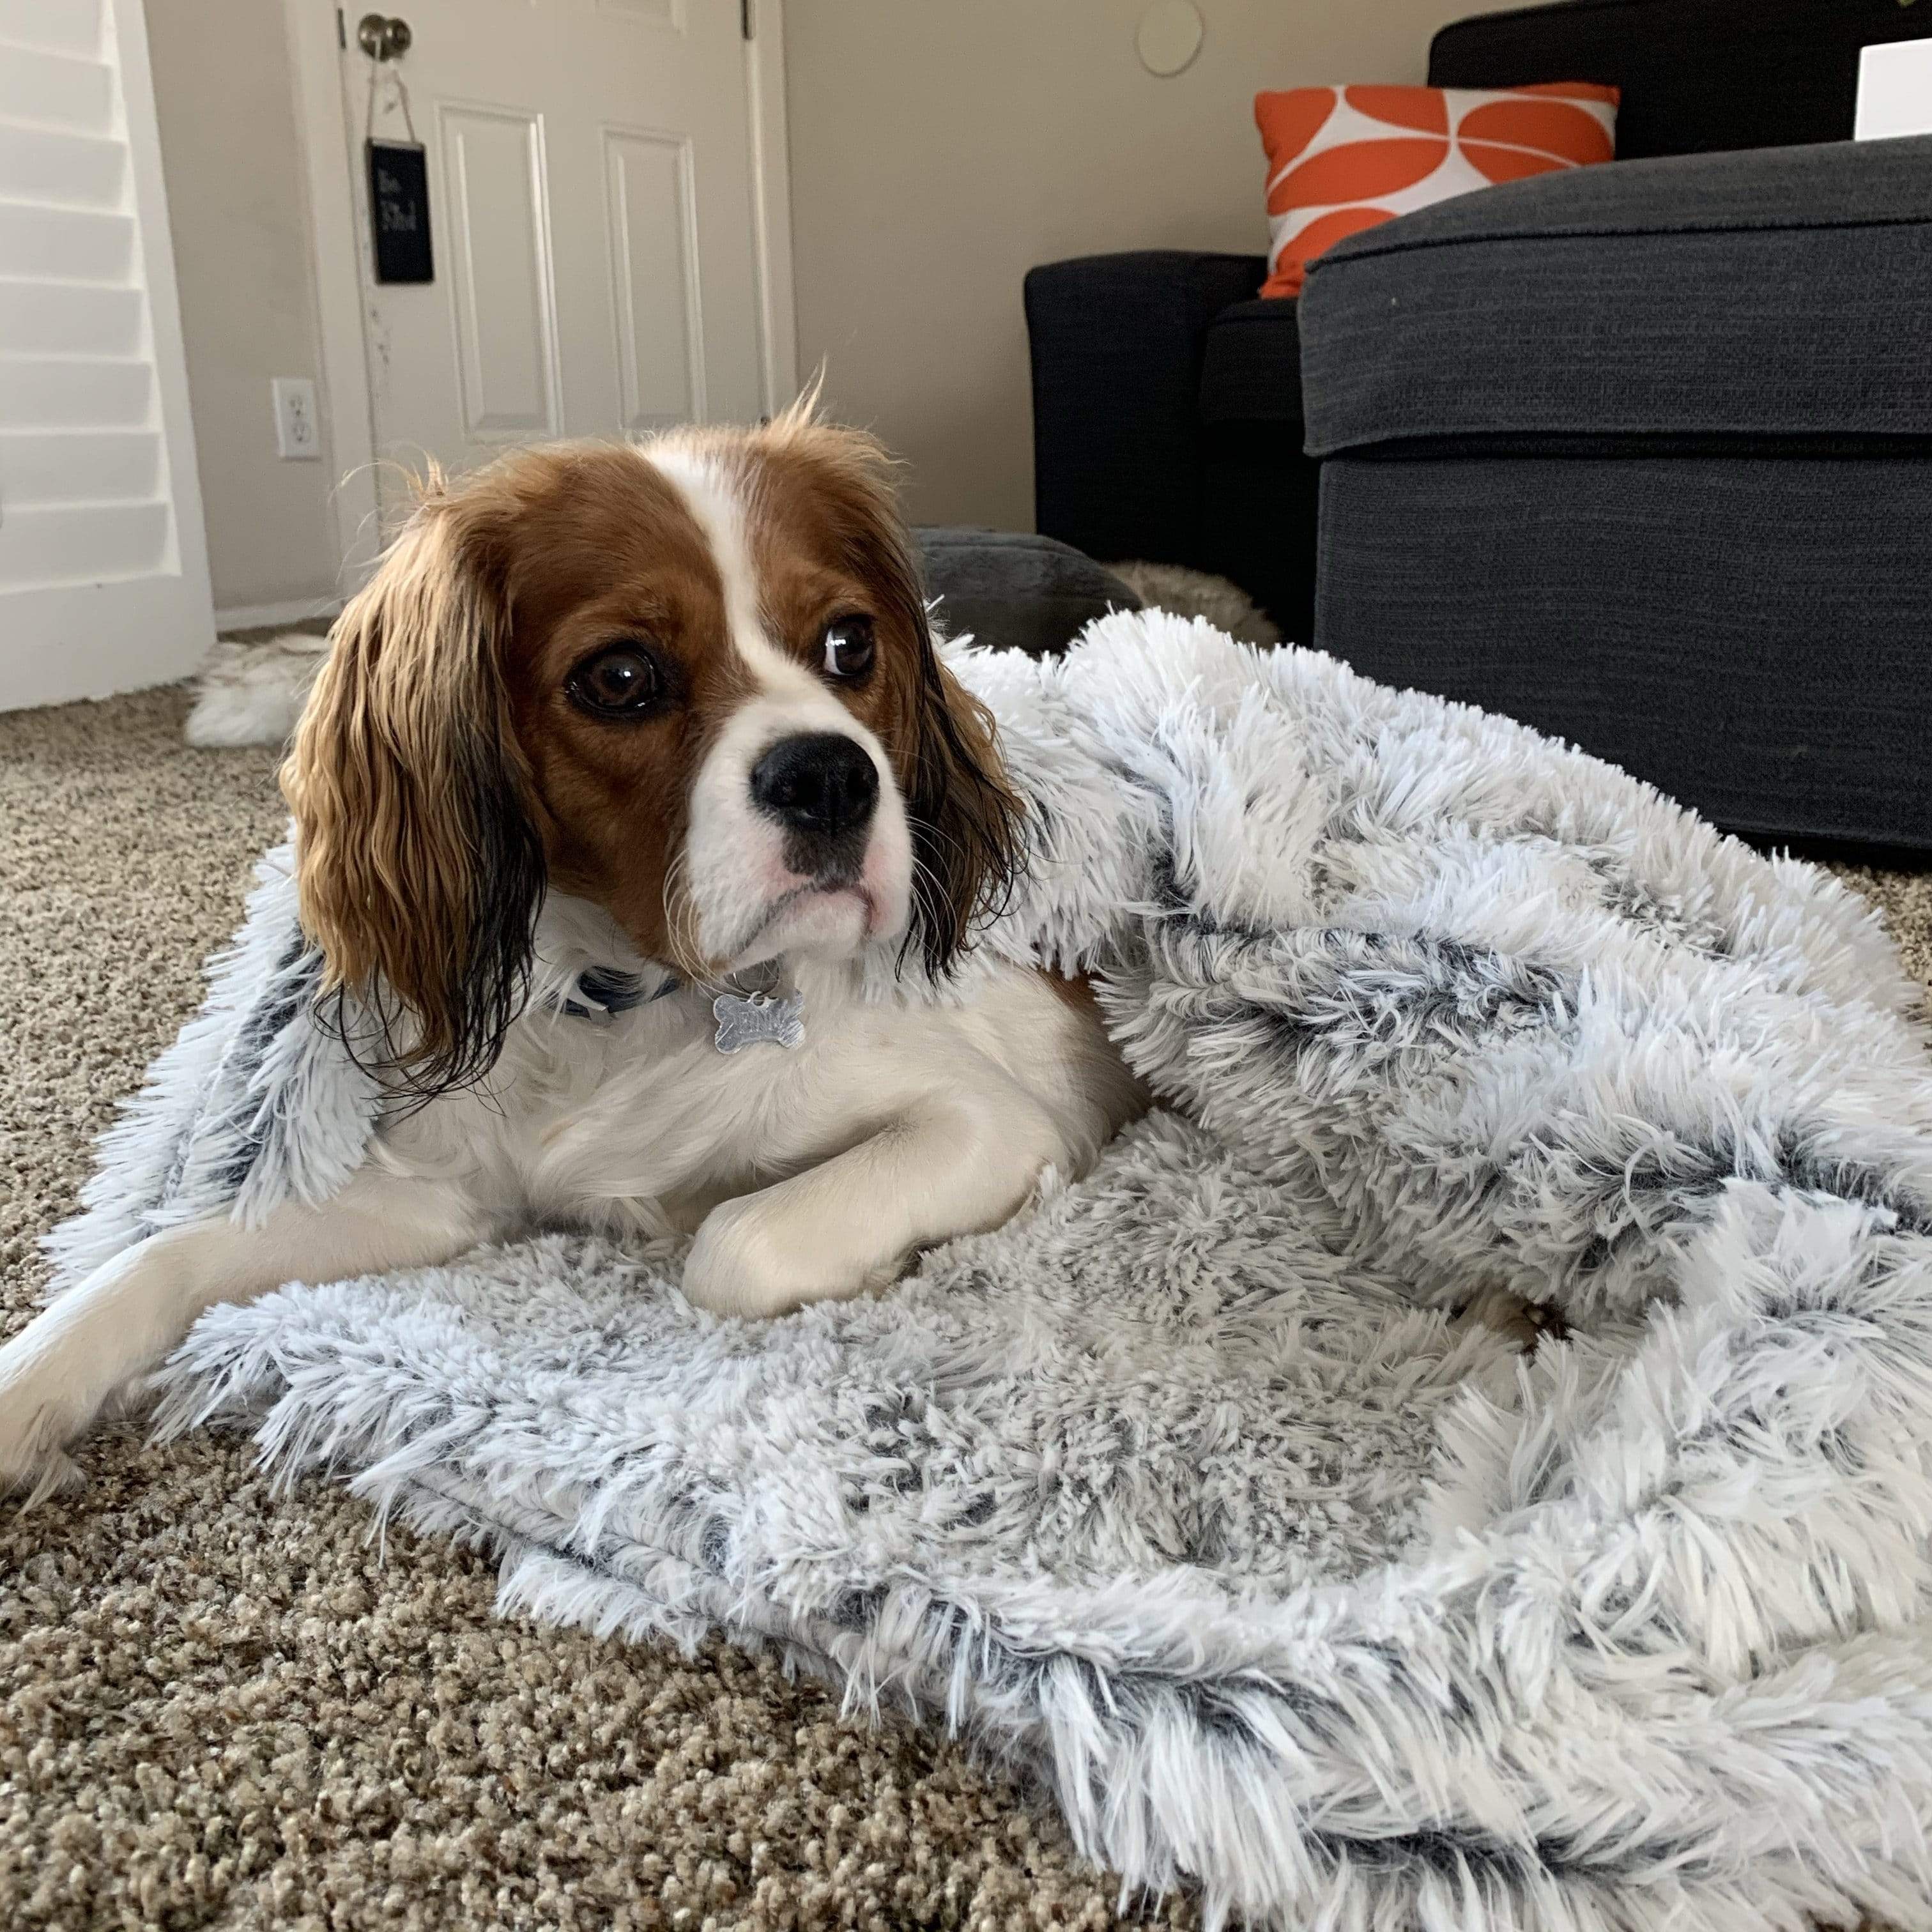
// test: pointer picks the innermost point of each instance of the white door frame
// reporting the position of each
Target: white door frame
(329, 165)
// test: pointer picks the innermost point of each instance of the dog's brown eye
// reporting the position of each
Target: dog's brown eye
(848, 647)
(623, 681)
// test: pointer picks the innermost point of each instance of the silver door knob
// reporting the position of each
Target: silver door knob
(382, 36)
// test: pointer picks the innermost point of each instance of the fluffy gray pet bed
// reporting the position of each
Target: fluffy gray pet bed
(1181, 1487)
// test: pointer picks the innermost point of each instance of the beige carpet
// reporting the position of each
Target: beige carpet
(219, 1706)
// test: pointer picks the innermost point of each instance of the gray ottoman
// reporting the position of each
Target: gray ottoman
(1642, 455)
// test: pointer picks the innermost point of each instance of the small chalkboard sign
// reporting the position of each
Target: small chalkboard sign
(399, 211)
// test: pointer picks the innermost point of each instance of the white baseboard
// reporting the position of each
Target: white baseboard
(299, 610)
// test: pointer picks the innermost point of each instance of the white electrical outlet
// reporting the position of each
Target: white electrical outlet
(297, 438)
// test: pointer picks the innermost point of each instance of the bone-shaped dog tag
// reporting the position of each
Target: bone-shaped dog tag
(744, 1019)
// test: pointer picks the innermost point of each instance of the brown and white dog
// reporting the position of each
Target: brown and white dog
(673, 709)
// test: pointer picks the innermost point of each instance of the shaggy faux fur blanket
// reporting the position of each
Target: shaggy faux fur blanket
(1182, 1487)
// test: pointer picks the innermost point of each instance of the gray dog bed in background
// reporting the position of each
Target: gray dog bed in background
(1181, 1488)
(1011, 591)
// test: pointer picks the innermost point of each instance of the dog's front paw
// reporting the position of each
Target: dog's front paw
(751, 1257)
(34, 1429)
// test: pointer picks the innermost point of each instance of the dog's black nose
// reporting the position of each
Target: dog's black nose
(821, 783)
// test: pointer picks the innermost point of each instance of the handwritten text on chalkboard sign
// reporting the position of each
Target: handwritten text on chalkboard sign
(399, 212)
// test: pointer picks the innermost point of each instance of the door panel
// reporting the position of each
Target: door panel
(653, 218)
(500, 283)
(662, 13)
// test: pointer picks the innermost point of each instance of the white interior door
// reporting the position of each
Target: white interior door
(592, 223)
(103, 565)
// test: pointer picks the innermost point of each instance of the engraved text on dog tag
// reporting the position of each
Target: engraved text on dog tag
(744, 1019)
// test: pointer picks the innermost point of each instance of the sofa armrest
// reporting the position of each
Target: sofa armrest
(1118, 342)
(1776, 292)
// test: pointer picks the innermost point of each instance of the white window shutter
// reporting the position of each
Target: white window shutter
(103, 563)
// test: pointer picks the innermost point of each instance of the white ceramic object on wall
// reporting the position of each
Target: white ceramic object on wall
(1168, 36)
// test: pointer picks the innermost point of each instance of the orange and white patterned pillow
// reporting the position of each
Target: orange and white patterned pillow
(1341, 159)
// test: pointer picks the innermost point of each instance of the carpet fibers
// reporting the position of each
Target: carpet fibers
(219, 1706)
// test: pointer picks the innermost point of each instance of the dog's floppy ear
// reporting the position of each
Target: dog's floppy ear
(419, 870)
(967, 827)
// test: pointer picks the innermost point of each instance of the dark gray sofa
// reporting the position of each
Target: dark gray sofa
(1171, 412)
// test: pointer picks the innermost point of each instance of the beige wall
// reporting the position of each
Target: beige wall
(939, 149)
(225, 99)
